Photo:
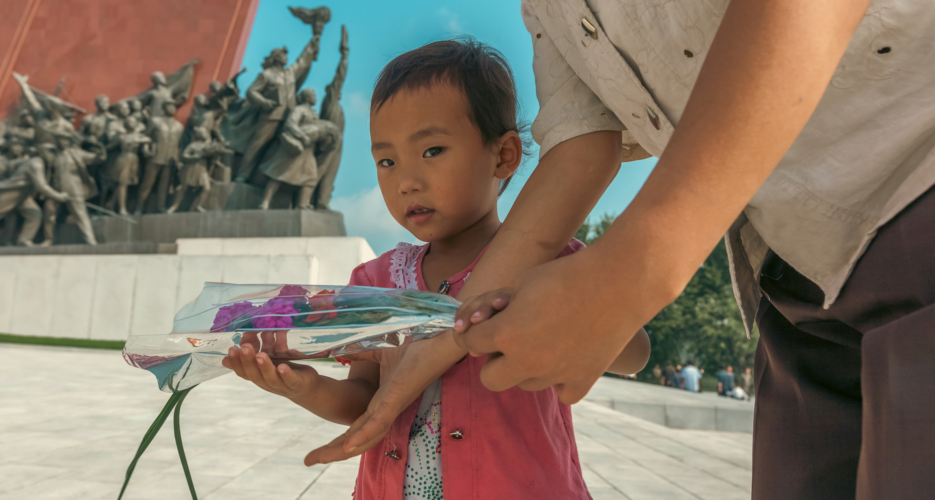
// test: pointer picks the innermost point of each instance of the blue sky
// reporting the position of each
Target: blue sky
(378, 31)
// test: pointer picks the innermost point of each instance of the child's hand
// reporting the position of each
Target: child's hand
(481, 308)
(285, 379)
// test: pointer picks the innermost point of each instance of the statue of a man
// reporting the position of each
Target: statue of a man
(294, 161)
(331, 111)
(17, 192)
(94, 126)
(272, 95)
(13, 149)
(166, 132)
(198, 159)
(49, 114)
(25, 126)
(70, 176)
(175, 89)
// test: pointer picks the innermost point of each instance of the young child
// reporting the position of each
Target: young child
(445, 142)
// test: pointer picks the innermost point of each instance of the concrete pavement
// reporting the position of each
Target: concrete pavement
(71, 420)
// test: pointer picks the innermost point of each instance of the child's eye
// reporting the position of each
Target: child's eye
(430, 152)
(386, 162)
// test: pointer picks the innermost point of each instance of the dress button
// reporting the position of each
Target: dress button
(444, 287)
(457, 435)
(392, 454)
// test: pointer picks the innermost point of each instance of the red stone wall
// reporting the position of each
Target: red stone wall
(112, 46)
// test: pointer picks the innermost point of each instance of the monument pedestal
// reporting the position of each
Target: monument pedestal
(106, 297)
(166, 228)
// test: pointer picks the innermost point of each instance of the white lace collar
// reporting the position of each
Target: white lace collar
(403, 264)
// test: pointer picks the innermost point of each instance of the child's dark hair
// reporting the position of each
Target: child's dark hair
(481, 72)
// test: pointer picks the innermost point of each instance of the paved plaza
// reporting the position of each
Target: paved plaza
(71, 420)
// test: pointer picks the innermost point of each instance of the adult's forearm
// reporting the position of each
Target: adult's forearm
(556, 199)
(764, 75)
(338, 401)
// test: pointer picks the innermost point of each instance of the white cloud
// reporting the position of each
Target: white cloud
(365, 215)
(450, 20)
(357, 104)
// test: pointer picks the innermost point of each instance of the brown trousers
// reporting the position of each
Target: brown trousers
(845, 403)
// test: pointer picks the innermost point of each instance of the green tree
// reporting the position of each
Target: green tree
(703, 324)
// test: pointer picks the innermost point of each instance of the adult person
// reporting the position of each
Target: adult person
(746, 381)
(802, 130)
(677, 377)
(668, 375)
(690, 376)
(725, 381)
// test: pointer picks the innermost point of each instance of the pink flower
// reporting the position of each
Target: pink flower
(275, 314)
(228, 315)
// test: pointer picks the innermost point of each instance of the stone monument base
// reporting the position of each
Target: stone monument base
(119, 248)
(107, 297)
(166, 228)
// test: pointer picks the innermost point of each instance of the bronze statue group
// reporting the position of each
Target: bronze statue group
(134, 155)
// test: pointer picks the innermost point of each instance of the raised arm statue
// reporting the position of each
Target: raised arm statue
(331, 111)
(47, 110)
(174, 88)
(272, 95)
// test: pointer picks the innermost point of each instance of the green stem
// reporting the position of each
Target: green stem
(175, 401)
(149, 436)
(178, 443)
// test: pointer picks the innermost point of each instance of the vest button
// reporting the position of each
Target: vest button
(589, 28)
(457, 435)
(652, 117)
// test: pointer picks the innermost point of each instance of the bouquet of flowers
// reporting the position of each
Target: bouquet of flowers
(287, 321)
(290, 322)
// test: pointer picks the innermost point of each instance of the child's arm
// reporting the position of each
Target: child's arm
(338, 401)
(634, 356)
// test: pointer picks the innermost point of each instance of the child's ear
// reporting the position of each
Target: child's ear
(510, 148)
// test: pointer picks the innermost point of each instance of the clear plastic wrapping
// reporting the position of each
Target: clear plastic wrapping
(288, 322)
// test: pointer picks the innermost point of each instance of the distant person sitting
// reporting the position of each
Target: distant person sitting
(690, 376)
(725, 381)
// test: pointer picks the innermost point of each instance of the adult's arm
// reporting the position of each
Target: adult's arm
(765, 73)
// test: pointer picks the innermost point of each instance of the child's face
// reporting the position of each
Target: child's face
(437, 176)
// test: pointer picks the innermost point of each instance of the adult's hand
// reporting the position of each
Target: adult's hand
(552, 329)
(405, 372)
